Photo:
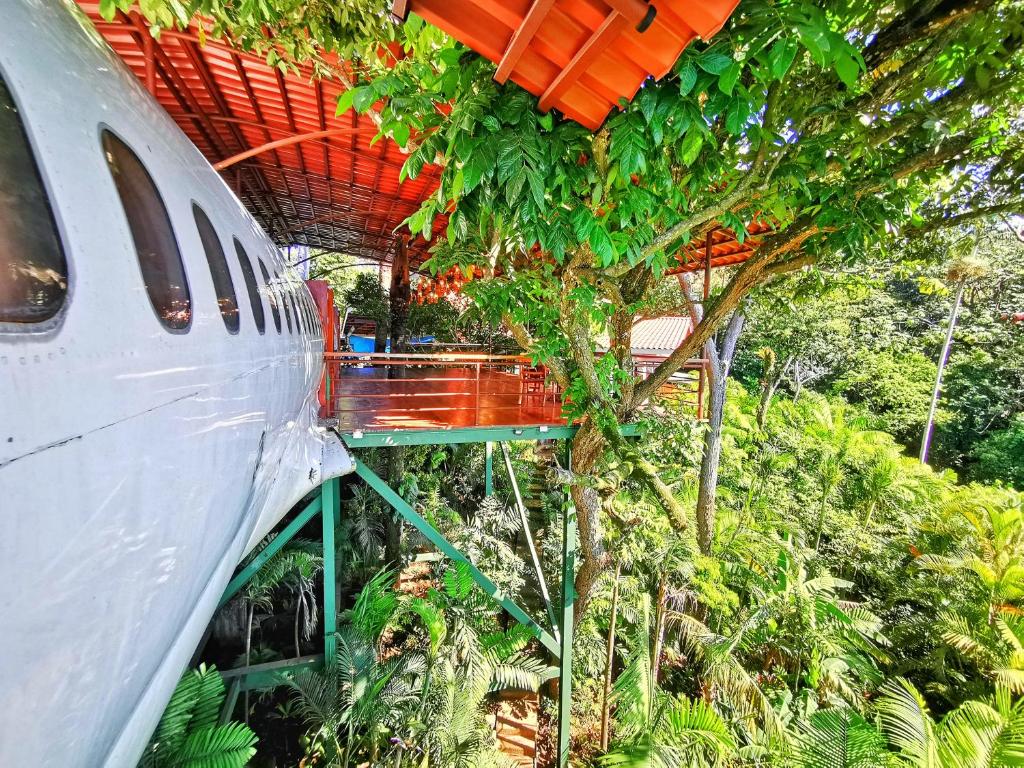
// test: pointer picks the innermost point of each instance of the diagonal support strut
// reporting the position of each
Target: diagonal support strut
(438, 540)
(538, 571)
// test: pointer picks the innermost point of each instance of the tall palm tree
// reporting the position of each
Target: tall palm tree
(657, 729)
(994, 556)
(977, 734)
(806, 631)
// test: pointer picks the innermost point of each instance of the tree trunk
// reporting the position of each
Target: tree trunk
(609, 659)
(708, 482)
(926, 438)
(400, 297)
(587, 447)
(769, 385)
(798, 380)
(719, 363)
(659, 627)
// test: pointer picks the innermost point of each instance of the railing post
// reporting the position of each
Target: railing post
(329, 501)
(567, 618)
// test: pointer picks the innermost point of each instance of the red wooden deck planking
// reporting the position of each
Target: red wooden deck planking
(438, 398)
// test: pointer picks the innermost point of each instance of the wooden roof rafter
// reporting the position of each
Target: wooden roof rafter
(309, 177)
(578, 56)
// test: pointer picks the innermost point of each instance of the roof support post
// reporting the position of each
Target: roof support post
(524, 521)
(568, 617)
(438, 540)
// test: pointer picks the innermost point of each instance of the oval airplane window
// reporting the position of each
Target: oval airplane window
(33, 269)
(163, 272)
(304, 301)
(271, 295)
(283, 290)
(226, 299)
(300, 323)
(252, 288)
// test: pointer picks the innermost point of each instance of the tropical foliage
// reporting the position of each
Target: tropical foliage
(190, 733)
(785, 584)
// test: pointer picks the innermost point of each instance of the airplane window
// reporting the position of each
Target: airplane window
(283, 290)
(33, 270)
(271, 295)
(218, 269)
(251, 288)
(304, 301)
(300, 323)
(317, 330)
(159, 258)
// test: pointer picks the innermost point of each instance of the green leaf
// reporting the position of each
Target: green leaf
(714, 63)
(345, 101)
(547, 121)
(728, 79)
(582, 223)
(691, 147)
(108, 8)
(687, 77)
(601, 244)
(781, 56)
(847, 69)
(363, 98)
(457, 184)
(400, 133)
(736, 118)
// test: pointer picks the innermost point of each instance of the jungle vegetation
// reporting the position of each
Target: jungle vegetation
(786, 584)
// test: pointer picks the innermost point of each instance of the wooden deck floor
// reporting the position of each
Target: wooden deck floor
(437, 398)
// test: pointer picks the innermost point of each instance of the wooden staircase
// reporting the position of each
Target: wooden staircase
(515, 725)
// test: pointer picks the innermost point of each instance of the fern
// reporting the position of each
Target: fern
(224, 746)
(188, 735)
(840, 738)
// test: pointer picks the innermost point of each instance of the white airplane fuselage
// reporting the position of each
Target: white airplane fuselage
(138, 463)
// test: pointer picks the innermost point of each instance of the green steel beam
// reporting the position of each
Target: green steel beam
(488, 468)
(386, 438)
(438, 540)
(525, 522)
(259, 677)
(568, 616)
(230, 700)
(270, 550)
(329, 501)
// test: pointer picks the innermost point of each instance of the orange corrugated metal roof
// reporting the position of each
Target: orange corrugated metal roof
(334, 192)
(579, 56)
(726, 249)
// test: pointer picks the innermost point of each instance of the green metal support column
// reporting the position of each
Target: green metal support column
(438, 540)
(488, 468)
(329, 502)
(567, 618)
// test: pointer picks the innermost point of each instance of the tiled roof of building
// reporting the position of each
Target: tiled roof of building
(660, 335)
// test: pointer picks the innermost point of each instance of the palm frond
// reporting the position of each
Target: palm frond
(907, 723)
(222, 746)
(839, 738)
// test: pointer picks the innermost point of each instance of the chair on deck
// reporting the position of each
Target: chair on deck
(531, 380)
(534, 383)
